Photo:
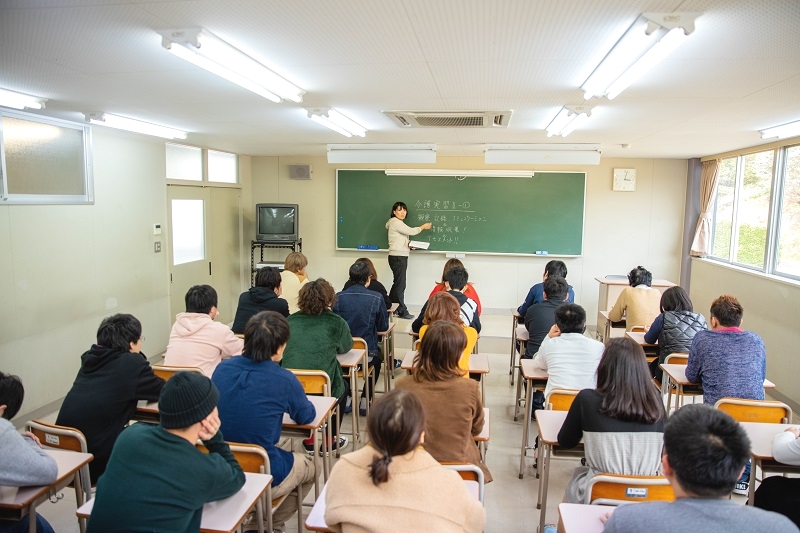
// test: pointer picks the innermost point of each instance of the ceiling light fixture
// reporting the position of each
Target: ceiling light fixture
(381, 153)
(651, 38)
(136, 126)
(20, 100)
(568, 119)
(202, 48)
(792, 129)
(330, 118)
(542, 154)
(459, 173)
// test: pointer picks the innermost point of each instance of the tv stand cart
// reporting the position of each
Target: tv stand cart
(295, 246)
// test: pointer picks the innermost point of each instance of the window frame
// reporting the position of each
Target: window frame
(204, 181)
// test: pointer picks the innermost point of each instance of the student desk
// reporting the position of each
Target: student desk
(535, 377)
(350, 362)
(17, 502)
(650, 350)
(386, 339)
(761, 436)
(676, 374)
(610, 289)
(316, 518)
(515, 321)
(478, 364)
(222, 516)
(324, 406)
(582, 518)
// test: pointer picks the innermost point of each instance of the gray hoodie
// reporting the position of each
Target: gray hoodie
(23, 463)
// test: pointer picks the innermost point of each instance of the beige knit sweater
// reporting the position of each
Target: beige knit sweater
(640, 305)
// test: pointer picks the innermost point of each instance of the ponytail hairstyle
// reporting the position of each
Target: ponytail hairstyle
(395, 425)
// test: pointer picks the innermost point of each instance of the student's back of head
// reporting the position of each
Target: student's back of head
(570, 318)
(316, 297)
(640, 276)
(442, 306)
(706, 449)
(555, 288)
(295, 262)
(555, 268)
(457, 278)
(265, 334)
(439, 352)
(451, 263)
(119, 332)
(359, 273)
(728, 311)
(676, 299)
(372, 272)
(200, 299)
(395, 426)
(269, 277)
(11, 395)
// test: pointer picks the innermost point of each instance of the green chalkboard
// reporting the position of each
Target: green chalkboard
(473, 214)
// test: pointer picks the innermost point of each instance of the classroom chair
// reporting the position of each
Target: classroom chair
(254, 459)
(613, 489)
(515, 322)
(560, 399)
(317, 382)
(681, 358)
(166, 372)
(71, 439)
(765, 411)
(361, 344)
(468, 472)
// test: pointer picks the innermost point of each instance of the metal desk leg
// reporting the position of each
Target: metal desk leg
(518, 396)
(751, 491)
(513, 348)
(543, 485)
(354, 394)
(669, 394)
(525, 431)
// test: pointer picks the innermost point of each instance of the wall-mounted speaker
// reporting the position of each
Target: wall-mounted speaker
(300, 172)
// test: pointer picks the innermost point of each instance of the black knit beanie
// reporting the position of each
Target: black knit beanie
(186, 399)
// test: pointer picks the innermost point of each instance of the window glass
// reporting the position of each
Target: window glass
(788, 260)
(188, 236)
(222, 167)
(753, 209)
(723, 210)
(184, 162)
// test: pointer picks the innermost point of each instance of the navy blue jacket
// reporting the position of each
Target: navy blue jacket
(365, 313)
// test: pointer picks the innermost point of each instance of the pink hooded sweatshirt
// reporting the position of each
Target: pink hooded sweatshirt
(196, 340)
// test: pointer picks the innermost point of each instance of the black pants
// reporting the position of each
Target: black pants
(398, 264)
(375, 365)
(780, 494)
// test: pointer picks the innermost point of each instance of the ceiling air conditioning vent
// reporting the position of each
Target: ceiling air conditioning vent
(450, 119)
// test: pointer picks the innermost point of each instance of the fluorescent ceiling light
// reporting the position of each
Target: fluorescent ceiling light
(650, 38)
(200, 47)
(460, 173)
(792, 129)
(136, 126)
(20, 100)
(542, 154)
(330, 118)
(568, 119)
(381, 153)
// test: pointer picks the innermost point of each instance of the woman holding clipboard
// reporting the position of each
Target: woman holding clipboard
(398, 255)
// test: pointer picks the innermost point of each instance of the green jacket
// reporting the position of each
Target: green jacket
(157, 481)
(314, 343)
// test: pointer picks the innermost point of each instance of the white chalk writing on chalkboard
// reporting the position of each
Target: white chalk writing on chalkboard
(443, 205)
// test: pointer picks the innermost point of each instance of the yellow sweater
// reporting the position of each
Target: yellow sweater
(472, 338)
(640, 305)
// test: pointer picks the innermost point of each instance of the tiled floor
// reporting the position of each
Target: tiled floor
(510, 501)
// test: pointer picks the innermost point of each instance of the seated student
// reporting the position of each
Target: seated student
(444, 306)
(541, 317)
(778, 493)
(365, 314)
(536, 293)
(318, 335)
(394, 485)
(293, 277)
(675, 327)
(456, 279)
(704, 452)
(374, 284)
(621, 422)
(196, 339)
(113, 377)
(570, 357)
(638, 304)
(265, 296)
(453, 406)
(255, 392)
(157, 480)
(23, 463)
(728, 362)
(469, 290)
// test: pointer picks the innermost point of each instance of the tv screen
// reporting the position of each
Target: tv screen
(276, 222)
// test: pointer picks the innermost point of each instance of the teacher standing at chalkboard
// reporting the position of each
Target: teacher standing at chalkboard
(398, 255)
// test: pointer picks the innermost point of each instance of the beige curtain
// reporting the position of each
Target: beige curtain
(701, 245)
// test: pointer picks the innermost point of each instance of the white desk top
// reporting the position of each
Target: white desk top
(478, 362)
(68, 463)
(531, 372)
(352, 358)
(582, 518)
(761, 436)
(222, 515)
(550, 423)
(623, 280)
(322, 405)
(638, 337)
(677, 374)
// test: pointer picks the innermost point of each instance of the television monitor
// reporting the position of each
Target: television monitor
(276, 222)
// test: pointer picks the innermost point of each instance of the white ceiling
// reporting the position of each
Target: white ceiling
(737, 73)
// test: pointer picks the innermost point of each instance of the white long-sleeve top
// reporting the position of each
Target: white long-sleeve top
(571, 361)
(398, 236)
(22, 462)
(786, 448)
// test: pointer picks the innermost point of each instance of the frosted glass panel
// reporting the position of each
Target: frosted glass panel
(43, 158)
(222, 167)
(188, 234)
(184, 162)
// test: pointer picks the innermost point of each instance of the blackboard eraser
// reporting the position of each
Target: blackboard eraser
(367, 247)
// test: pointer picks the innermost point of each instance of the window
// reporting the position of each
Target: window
(44, 161)
(222, 167)
(188, 234)
(756, 220)
(184, 162)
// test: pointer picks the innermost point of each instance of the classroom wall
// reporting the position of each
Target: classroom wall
(622, 230)
(770, 309)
